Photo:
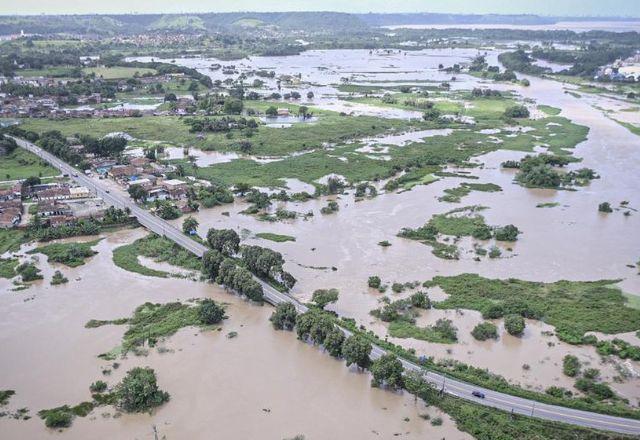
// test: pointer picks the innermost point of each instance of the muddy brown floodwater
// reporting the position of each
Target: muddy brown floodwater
(571, 241)
(260, 384)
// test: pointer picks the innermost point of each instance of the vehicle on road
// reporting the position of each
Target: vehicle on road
(478, 394)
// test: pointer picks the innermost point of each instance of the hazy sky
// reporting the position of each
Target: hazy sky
(540, 7)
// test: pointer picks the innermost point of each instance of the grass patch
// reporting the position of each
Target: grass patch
(455, 195)
(629, 126)
(21, 164)
(151, 322)
(8, 267)
(275, 237)
(548, 110)
(158, 248)
(572, 307)
(404, 329)
(69, 254)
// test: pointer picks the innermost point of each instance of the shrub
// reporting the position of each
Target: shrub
(98, 386)
(605, 207)
(374, 282)
(570, 366)
(484, 331)
(58, 419)
(514, 324)
(209, 312)
(507, 233)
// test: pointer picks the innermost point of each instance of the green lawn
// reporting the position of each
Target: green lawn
(21, 164)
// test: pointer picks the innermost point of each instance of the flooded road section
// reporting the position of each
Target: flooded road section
(570, 241)
(260, 384)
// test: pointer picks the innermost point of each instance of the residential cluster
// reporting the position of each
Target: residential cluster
(56, 204)
(622, 70)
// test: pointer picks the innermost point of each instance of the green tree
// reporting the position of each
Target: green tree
(210, 312)
(139, 392)
(211, 261)
(226, 241)
(137, 192)
(190, 225)
(284, 316)
(517, 111)
(323, 297)
(431, 115)
(314, 325)
(387, 370)
(356, 350)
(232, 106)
(514, 324)
(272, 111)
(333, 342)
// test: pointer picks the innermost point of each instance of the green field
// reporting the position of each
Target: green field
(330, 143)
(21, 164)
(117, 72)
(56, 72)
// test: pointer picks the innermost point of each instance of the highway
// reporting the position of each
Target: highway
(449, 385)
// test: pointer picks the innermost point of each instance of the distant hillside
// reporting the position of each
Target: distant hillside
(332, 23)
(329, 22)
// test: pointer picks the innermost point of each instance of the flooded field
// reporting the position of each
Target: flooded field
(261, 383)
(257, 383)
(571, 241)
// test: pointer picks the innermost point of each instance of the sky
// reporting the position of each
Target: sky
(574, 8)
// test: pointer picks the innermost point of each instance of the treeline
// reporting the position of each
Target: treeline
(234, 267)
(68, 93)
(220, 125)
(520, 61)
(585, 62)
(166, 68)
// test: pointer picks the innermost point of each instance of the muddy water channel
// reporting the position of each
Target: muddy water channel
(570, 241)
(260, 384)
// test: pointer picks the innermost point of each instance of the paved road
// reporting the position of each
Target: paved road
(451, 386)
